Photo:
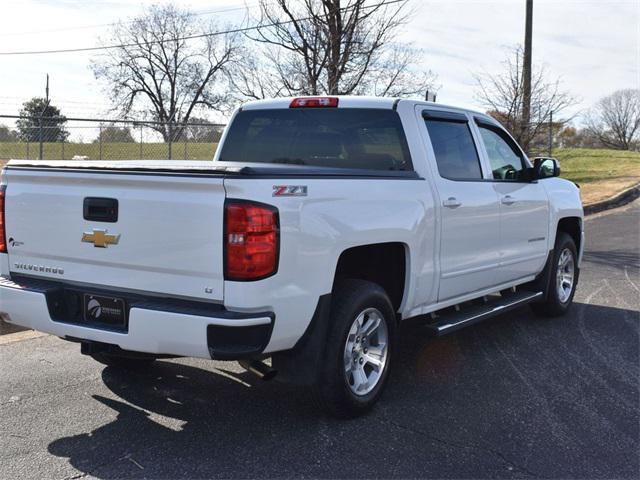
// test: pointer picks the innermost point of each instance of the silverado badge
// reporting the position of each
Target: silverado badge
(100, 238)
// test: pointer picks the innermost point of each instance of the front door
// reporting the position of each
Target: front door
(524, 207)
(470, 212)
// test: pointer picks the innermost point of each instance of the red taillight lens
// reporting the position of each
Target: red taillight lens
(251, 236)
(3, 233)
(314, 102)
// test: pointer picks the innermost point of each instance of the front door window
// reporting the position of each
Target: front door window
(507, 162)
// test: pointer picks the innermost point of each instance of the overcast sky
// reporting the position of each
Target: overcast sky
(593, 46)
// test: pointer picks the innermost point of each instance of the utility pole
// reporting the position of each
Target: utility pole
(526, 73)
(44, 109)
(551, 133)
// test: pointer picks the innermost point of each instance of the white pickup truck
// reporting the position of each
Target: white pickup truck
(320, 225)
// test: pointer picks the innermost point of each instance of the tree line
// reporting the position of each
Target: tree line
(170, 67)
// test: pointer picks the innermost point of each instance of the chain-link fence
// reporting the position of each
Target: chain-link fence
(53, 138)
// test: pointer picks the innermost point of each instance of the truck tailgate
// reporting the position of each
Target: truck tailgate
(168, 230)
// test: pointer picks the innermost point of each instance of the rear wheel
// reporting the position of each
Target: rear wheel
(563, 281)
(359, 349)
(122, 362)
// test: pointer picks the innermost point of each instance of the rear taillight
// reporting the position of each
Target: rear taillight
(314, 102)
(251, 236)
(3, 233)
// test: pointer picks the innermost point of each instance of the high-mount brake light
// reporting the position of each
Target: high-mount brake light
(251, 240)
(3, 233)
(314, 102)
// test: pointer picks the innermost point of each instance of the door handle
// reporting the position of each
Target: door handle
(508, 200)
(451, 202)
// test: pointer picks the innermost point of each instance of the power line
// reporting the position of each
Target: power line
(102, 25)
(18, 105)
(190, 37)
(110, 120)
(20, 99)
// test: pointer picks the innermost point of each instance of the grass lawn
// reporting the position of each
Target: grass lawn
(600, 173)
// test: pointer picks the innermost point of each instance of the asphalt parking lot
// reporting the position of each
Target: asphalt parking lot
(514, 397)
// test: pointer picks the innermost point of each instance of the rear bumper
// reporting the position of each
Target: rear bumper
(153, 327)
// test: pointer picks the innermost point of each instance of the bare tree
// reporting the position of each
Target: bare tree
(164, 74)
(503, 95)
(615, 119)
(335, 47)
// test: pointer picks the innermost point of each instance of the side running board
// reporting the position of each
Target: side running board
(447, 322)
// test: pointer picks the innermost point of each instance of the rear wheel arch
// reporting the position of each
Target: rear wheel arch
(385, 264)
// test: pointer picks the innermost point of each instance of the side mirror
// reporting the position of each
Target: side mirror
(545, 167)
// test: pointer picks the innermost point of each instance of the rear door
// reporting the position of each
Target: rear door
(470, 213)
(524, 206)
(165, 238)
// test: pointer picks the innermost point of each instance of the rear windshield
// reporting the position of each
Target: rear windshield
(323, 137)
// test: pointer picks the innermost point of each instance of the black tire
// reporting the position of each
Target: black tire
(332, 391)
(553, 306)
(122, 362)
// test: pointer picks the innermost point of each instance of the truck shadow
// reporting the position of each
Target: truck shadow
(500, 394)
(614, 258)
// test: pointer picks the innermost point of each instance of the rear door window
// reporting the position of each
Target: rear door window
(324, 137)
(453, 145)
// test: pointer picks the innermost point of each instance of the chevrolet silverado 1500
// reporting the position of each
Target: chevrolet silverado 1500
(320, 225)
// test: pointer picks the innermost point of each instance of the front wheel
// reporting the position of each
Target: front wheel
(359, 349)
(563, 281)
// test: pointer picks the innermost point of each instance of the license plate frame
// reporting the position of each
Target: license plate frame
(105, 311)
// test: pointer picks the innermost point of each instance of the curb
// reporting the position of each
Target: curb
(622, 198)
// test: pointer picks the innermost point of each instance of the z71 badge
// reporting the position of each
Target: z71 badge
(289, 190)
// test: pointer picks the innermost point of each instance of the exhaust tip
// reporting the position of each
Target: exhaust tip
(259, 369)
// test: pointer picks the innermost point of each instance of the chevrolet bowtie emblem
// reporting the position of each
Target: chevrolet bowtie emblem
(100, 238)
